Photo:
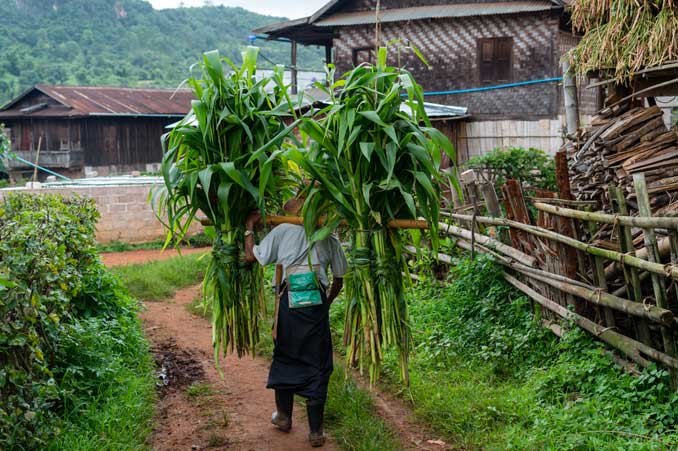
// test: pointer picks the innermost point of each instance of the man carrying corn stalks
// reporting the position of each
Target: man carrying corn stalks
(302, 356)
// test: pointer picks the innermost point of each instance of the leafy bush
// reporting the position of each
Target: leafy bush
(5, 152)
(53, 289)
(533, 167)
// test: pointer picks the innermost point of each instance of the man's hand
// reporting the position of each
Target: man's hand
(253, 220)
(335, 289)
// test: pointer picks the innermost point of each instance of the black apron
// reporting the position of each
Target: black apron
(302, 355)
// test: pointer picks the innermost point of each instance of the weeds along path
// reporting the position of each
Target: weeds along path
(111, 259)
(210, 413)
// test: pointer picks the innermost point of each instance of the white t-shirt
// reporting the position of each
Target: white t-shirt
(287, 245)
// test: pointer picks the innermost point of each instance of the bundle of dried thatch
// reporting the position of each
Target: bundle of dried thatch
(624, 35)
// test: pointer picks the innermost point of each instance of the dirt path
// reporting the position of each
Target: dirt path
(235, 413)
(198, 410)
(144, 255)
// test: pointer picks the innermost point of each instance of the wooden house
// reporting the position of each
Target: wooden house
(500, 59)
(81, 130)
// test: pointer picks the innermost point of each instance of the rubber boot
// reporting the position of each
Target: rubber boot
(315, 409)
(282, 417)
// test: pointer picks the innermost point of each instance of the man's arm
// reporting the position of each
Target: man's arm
(252, 220)
(335, 289)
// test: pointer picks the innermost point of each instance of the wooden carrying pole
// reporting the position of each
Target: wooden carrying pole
(298, 220)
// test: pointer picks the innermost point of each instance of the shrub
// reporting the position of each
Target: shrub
(533, 167)
(50, 278)
(4, 153)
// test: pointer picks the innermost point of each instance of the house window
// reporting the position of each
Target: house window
(494, 60)
(363, 55)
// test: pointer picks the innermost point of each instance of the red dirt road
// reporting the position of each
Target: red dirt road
(239, 410)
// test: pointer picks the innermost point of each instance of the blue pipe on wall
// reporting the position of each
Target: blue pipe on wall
(489, 88)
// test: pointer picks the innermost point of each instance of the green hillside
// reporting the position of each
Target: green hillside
(121, 42)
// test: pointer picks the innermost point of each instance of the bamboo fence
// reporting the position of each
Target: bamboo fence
(626, 296)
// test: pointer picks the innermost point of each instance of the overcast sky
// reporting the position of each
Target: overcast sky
(291, 9)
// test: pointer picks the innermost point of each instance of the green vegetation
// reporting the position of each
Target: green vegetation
(160, 279)
(121, 42)
(197, 240)
(352, 419)
(486, 375)
(5, 152)
(219, 161)
(531, 166)
(371, 161)
(75, 372)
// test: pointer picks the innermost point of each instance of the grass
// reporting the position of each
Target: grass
(197, 240)
(488, 377)
(161, 279)
(199, 390)
(351, 417)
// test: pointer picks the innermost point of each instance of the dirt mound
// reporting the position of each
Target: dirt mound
(176, 367)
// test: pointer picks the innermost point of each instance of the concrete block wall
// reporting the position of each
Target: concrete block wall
(126, 213)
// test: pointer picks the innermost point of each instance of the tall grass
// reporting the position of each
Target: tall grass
(160, 279)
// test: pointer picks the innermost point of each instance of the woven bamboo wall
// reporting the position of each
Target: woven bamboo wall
(451, 48)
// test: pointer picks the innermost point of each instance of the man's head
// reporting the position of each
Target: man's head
(293, 206)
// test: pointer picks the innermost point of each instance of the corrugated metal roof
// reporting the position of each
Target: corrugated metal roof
(437, 110)
(436, 11)
(106, 101)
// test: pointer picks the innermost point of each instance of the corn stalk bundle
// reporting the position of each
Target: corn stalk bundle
(624, 35)
(373, 157)
(217, 162)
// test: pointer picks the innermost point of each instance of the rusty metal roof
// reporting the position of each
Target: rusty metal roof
(436, 11)
(79, 101)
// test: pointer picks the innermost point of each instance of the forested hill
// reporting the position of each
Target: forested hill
(121, 42)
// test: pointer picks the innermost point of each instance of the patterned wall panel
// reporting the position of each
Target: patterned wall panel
(451, 47)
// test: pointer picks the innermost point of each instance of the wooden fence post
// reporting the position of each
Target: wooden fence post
(493, 208)
(514, 197)
(565, 226)
(658, 284)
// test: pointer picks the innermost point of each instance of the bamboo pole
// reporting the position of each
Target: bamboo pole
(664, 246)
(570, 99)
(635, 292)
(488, 242)
(601, 281)
(658, 285)
(631, 348)
(599, 297)
(630, 221)
(582, 290)
(556, 200)
(636, 262)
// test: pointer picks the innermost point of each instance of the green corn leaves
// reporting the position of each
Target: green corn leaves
(218, 163)
(373, 162)
(371, 156)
